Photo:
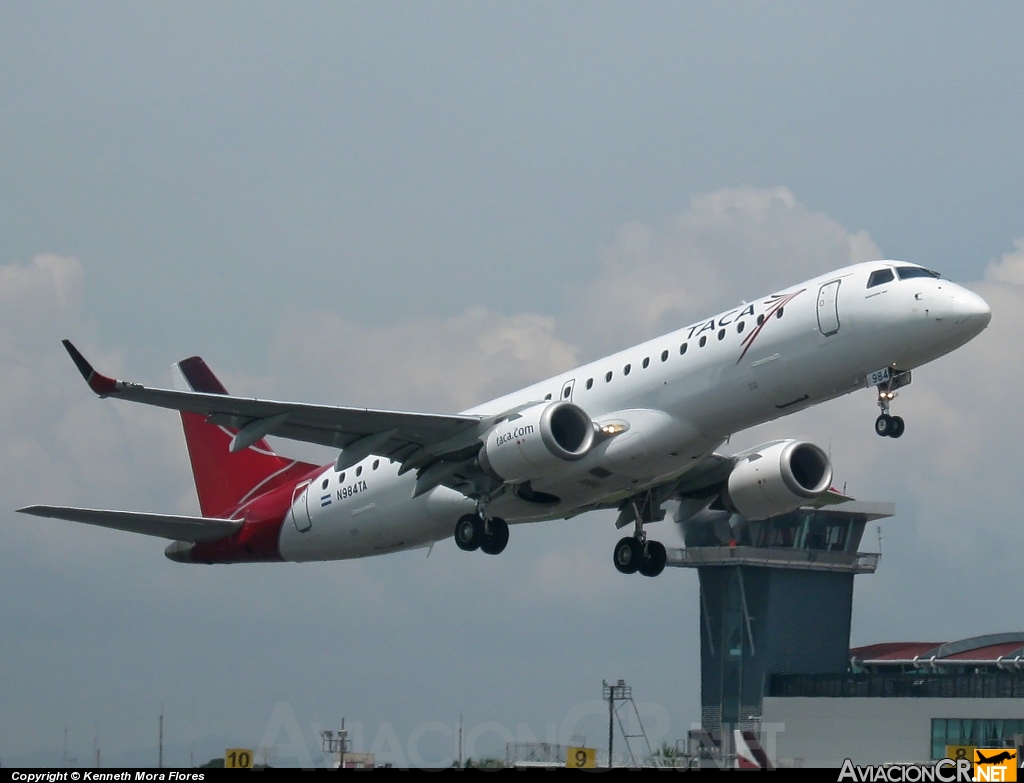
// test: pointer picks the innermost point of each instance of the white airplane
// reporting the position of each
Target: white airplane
(632, 431)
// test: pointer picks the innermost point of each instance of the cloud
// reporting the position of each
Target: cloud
(48, 281)
(650, 280)
(429, 365)
(730, 243)
(53, 427)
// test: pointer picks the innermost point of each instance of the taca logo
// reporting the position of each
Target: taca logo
(518, 432)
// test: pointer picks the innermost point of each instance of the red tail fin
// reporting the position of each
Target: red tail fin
(226, 480)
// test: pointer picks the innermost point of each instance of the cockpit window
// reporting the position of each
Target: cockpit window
(907, 272)
(880, 277)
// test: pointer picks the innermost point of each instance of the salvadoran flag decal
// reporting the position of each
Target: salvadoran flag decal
(325, 500)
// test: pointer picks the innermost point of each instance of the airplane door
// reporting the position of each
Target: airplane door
(302, 520)
(828, 308)
(567, 388)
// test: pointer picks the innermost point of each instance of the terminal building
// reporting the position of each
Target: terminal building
(776, 663)
(902, 702)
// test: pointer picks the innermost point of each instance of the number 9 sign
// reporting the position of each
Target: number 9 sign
(580, 758)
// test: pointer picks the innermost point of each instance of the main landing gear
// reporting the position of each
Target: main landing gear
(631, 556)
(635, 554)
(478, 531)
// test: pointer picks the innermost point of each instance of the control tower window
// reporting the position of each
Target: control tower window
(880, 277)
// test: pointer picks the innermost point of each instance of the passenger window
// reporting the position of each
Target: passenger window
(566, 392)
(778, 313)
(682, 349)
(880, 277)
(703, 341)
(323, 484)
(647, 362)
(760, 319)
(721, 334)
(376, 464)
(625, 370)
(608, 377)
(359, 470)
(590, 383)
(664, 356)
(547, 396)
(341, 478)
(739, 328)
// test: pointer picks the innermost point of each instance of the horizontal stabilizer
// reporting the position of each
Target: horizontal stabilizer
(176, 528)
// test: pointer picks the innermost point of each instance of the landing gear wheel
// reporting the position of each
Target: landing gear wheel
(897, 427)
(494, 543)
(884, 425)
(654, 563)
(627, 555)
(468, 532)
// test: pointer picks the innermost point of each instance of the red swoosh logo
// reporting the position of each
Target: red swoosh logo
(776, 303)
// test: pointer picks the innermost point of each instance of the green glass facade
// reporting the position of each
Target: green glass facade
(980, 732)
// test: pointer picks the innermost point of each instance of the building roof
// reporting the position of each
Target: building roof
(995, 648)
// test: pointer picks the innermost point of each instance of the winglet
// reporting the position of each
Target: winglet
(100, 384)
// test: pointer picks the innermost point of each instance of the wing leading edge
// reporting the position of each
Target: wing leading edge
(415, 439)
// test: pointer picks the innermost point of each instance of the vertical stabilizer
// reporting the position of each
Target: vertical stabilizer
(224, 479)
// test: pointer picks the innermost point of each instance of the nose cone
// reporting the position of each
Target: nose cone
(971, 310)
(962, 313)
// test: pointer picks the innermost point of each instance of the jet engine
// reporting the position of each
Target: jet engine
(776, 478)
(536, 441)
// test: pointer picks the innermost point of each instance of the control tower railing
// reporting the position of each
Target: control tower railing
(771, 557)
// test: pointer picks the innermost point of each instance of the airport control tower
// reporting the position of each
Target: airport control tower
(777, 600)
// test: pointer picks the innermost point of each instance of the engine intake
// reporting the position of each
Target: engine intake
(536, 441)
(777, 478)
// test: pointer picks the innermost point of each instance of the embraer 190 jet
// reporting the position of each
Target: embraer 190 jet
(633, 432)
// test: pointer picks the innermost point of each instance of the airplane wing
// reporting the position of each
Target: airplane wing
(176, 528)
(414, 439)
(709, 476)
(704, 481)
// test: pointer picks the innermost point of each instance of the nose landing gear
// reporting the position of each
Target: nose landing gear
(888, 426)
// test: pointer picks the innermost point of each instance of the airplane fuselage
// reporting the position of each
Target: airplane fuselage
(673, 400)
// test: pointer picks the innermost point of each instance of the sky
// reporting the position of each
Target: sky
(422, 206)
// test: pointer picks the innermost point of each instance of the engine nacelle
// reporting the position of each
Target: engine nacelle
(536, 441)
(777, 478)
